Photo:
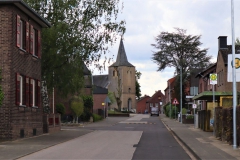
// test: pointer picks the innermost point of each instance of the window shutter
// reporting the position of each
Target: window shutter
(31, 93)
(27, 91)
(18, 31)
(27, 37)
(38, 93)
(24, 90)
(39, 44)
(17, 89)
(31, 39)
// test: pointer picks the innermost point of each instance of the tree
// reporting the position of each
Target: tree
(118, 95)
(138, 89)
(111, 97)
(88, 107)
(177, 49)
(237, 41)
(60, 108)
(80, 33)
(77, 106)
(1, 91)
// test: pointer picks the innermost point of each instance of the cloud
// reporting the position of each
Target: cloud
(145, 19)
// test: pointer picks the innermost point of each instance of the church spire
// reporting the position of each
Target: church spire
(122, 57)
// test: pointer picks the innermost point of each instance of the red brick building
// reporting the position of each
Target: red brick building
(20, 52)
(142, 104)
(157, 100)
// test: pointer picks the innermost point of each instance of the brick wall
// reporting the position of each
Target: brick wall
(141, 104)
(98, 99)
(15, 120)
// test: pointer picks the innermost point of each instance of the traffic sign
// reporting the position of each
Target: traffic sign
(194, 106)
(175, 101)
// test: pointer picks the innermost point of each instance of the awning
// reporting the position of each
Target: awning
(208, 95)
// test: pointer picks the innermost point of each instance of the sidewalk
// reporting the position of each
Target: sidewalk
(203, 145)
(15, 149)
(19, 148)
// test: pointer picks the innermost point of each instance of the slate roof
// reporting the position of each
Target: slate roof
(209, 69)
(28, 10)
(101, 81)
(99, 90)
(86, 71)
(121, 57)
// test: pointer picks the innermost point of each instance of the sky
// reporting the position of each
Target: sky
(145, 19)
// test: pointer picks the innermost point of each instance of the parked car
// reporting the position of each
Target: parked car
(154, 111)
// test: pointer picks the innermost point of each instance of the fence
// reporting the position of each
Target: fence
(51, 123)
(224, 124)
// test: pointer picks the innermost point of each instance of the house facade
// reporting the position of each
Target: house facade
(20, 52)
(157, 100)
(121, 75)
(101, 102)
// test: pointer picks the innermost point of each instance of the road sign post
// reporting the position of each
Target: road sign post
(175, 101)
(213, 81)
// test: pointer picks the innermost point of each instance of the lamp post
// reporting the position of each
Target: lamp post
(103, 104)
(159, 101)
(234, 79)
(181, 92)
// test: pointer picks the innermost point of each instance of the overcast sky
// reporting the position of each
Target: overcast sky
(145, 19)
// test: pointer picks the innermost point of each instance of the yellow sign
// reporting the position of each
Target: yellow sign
(237, 63)
(213, 78)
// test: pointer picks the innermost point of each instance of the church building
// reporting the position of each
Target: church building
(121, 76)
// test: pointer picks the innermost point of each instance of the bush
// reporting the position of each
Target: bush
(96, 117)
(189, 116)
(173, 113)
(184, 111)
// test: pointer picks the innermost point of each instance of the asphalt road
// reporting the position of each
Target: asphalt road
(139, 137)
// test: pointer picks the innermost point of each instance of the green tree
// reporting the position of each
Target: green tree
(88, 107)
(1, 91)
(60, 108)
(177, 49)
(118, 93)
(81, 32)
(111, 97)
(138, 87)
(77, 106)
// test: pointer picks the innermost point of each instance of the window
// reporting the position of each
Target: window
(114, 73)
(20, 90)
(27, 91)
(156, 104)
(28, 38)
(151, 105)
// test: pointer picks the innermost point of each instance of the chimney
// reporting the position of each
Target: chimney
(222, 42)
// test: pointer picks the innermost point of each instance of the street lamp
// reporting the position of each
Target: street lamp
(181, 93)
(234, 79)
(103, 104)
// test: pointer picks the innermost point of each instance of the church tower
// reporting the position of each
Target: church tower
(121, 75)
